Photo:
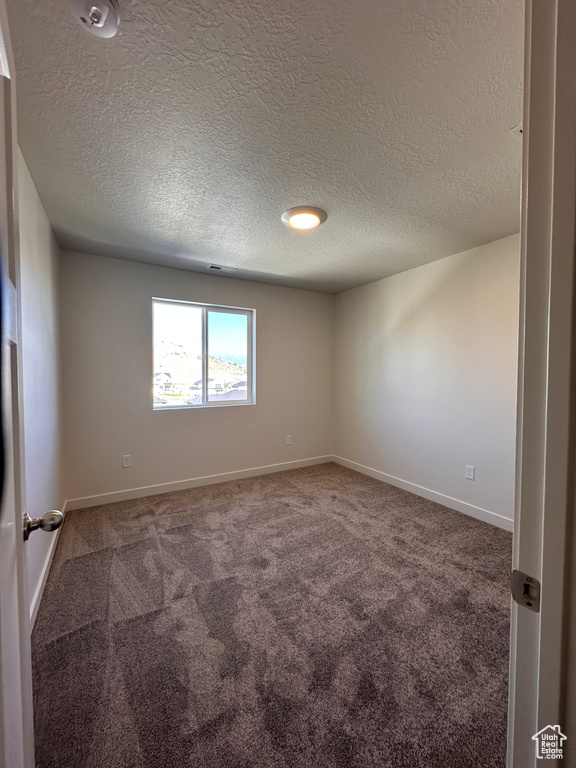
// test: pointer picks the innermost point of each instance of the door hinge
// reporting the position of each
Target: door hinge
(526, 590)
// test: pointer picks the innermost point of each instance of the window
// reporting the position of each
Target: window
(203, 355)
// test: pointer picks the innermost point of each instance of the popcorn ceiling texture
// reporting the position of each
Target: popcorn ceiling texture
(182, 140)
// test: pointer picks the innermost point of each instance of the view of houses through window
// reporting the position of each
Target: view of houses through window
(202, 354)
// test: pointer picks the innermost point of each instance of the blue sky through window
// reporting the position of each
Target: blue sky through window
(227, 335)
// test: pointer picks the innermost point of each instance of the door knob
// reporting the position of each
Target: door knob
(48, 522)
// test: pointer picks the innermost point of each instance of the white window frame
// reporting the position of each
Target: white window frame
(250, 315)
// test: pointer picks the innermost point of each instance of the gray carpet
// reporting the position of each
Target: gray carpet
(315, 617)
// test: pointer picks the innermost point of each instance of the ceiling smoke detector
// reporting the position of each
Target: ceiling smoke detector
(99, 17)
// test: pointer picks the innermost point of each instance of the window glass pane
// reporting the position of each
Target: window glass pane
(227, 356)
(177, 354)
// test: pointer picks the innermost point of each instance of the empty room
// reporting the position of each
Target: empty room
(272, 389)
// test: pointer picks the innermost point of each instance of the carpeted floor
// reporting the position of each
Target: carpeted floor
(315, 618)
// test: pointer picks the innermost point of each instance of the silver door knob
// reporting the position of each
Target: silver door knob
(48, 522)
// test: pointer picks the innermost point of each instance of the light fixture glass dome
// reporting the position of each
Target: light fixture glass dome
(304, 217)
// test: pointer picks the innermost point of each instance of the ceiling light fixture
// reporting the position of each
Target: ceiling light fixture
(304, 217)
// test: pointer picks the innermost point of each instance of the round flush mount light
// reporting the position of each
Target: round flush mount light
(304, 217)
(99, 17)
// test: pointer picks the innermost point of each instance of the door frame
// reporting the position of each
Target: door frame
(544, 461)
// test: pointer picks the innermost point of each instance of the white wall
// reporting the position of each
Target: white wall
(39, 256)
(425, 373)
(107, 380)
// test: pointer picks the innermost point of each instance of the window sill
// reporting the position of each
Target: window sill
(204, 405)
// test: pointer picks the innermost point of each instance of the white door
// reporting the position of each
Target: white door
(16, 723)
(544, 462)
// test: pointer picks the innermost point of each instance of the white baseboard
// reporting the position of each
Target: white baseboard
(182, 485)
(460, 506)
(39, 591)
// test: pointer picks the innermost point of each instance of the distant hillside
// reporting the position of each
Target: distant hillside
(176, 360)
(168, 348)
(215, 364)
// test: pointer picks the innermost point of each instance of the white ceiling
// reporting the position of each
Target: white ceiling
(182, 140)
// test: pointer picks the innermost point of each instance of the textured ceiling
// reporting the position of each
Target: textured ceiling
(183, 139)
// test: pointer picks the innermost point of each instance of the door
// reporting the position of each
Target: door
(16, 722)
(545, 464)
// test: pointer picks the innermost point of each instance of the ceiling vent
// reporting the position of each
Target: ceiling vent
(217, 268)
(99, 17)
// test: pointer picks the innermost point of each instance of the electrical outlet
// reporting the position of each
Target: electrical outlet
(470, 472)
(126, 460)
(288, 439)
